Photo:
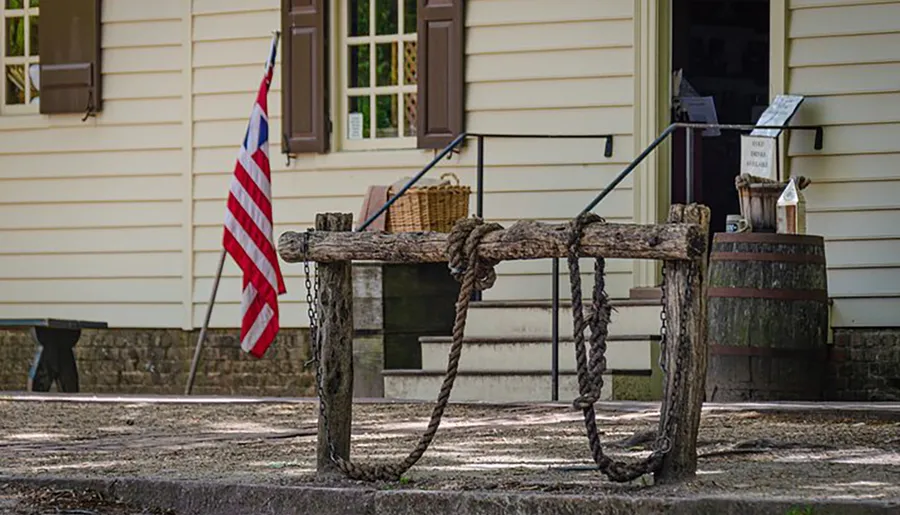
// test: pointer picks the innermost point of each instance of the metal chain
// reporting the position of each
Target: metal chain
(662, 323)
(312, 299)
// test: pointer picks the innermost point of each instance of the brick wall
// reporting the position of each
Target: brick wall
(864, 365)
(158, 361)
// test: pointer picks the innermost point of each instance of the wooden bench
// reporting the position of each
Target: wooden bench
(54, 359)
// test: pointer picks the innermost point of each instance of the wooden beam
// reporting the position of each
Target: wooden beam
(335, 332)
(524, 240)
(685, 316)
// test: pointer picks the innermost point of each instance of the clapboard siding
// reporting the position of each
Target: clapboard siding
(91, 213)
(844, 57)
(531, 67)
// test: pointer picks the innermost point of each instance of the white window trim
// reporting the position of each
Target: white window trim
(26, 12)
(342, 90)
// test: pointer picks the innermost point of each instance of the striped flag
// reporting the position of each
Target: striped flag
(248, 234)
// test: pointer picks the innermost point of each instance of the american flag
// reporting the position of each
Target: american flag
(248, 227)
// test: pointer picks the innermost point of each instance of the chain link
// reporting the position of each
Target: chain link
(312, 299)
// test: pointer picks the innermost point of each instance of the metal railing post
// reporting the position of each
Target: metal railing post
(689, 166)
(479, 191)
(554, 343)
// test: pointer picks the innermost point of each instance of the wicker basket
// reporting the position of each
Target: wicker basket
(429, 208)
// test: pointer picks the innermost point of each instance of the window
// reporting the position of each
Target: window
(21, 55)
(397, 74)
(378, 102)
(56, 70)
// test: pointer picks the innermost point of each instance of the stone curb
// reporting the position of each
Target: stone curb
(220, 498)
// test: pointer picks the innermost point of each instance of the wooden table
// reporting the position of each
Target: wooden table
(54, 359)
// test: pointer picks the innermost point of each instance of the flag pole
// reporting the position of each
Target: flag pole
(215, 288)
(209, 308)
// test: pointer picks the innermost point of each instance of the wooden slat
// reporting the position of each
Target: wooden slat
(873, 281)
(147, 33)
(850, 109)
(141, 10)
(846, 79)
(585, 120)
(845, 20)
(850, 139)
(499, 12)
(613, 62)
(865, 312)
(853, 223)
(120, 214)
(549, 36)
(96, 265)
(113, 240)
(85, 138)
(90, 291)
(235, 25)
(95, 164)
(142, 85)
(876, 48)
(94, 189)
(846, 168)
(144, 59)
(552, 93)
(862, 252)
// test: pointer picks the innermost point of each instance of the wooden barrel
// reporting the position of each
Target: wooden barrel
(767, 304)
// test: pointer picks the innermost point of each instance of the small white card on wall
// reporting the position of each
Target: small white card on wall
(355, 126)
(758, 156)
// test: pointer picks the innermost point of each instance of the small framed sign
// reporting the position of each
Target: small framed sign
(778, 113)
(758, 156)
(355, 126)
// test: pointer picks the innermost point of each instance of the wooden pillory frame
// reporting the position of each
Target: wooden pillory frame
(472, 249)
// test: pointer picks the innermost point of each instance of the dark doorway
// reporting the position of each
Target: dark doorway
(722, 48)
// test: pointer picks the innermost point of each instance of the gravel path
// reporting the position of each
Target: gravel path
(477, 448)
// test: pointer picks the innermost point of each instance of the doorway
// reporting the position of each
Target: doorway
(721, 48)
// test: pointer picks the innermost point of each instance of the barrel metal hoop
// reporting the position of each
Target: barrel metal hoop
(812, 259)
(767, 237)
(769, 293)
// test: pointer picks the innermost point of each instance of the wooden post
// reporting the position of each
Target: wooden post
(335, 330)
(682, 278)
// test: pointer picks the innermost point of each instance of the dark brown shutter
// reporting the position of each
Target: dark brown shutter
(305, 76)
(441, 49)
(69, 42)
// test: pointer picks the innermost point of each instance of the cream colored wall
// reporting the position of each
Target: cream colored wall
(844, 56)
(91, 213)
(532, 66)
(120, 218)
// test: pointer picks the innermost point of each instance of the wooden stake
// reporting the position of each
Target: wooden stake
(681, 462)
(335, 330)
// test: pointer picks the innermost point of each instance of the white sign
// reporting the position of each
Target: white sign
(355, 126)
(758, 156)
(781, 110)
(702, 110)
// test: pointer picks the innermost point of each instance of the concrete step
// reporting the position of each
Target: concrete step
(492, 319)
(510, 354)
(484, 386)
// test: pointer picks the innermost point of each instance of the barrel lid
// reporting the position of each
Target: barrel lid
(768, 237)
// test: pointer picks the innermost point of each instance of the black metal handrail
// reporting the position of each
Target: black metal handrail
(689, 143)
(479, 181)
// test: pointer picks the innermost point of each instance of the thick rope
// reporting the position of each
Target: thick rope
(590, 373)
(473, 273)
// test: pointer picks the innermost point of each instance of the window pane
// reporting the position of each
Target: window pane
(13, 4)
(409, 62)
(33, 36)
(360, 105)
(386, 116)
(358, 17)
(15, 36)
(386, 57)
(410, 111)
(410, 18)
(386, 20)
(34, 3)
(358, 62)
(14, 83)
(34, 73)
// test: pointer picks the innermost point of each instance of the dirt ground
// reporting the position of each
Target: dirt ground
(531, 448)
